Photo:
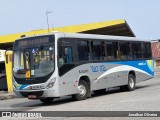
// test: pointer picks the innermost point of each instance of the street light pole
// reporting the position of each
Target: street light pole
(47, 12)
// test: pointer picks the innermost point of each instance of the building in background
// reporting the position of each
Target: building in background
(156, 53)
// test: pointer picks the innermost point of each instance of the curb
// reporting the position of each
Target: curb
(10, 96)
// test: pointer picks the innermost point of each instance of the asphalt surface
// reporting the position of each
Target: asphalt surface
(146, 97)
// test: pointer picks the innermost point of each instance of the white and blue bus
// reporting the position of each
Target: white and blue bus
(59, 64)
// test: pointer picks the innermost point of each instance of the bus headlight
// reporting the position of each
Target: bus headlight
(51, 83)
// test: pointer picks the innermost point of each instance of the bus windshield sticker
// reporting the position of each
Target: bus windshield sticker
(33, 51)
(28, 74)
(32, 72)
(50, 48)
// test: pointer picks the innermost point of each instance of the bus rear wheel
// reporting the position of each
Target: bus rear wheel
(83, 91)
(46, 100)
(131, 84)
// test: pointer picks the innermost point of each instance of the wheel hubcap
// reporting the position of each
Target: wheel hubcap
(82, 90)
(131, 82)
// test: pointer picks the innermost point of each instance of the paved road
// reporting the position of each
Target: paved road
(146, 97)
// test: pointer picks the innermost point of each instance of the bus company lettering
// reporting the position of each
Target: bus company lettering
(100, 68)
(83, 71)
(142, 63)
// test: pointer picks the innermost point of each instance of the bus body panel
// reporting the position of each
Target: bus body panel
(102, 75)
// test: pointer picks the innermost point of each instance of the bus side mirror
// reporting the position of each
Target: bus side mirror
(8, 57)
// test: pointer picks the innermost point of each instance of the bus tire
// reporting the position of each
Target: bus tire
(102, 91)
(46, 100)
(84, 91)
(131, 83)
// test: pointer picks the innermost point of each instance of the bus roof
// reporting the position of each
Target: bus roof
(107, 37)
(90, 36)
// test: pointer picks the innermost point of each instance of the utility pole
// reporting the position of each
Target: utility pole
(47, 12)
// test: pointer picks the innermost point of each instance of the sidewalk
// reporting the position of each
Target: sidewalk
(5, 95)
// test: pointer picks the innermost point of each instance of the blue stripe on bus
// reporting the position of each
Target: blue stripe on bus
(140, 64)
(22, 86)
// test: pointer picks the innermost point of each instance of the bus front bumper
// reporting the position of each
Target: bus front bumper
(35, 94)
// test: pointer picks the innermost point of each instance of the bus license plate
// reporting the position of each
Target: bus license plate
(32, 96)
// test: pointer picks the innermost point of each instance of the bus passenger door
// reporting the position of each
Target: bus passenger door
(66, 66)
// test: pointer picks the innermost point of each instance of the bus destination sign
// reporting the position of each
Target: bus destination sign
(33, 41)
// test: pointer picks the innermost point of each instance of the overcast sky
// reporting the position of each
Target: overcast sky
(25, 15)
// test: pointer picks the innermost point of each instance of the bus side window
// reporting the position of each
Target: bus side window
(130, 51)
(68, 55)
(109, 51)
(116, 50)
(146, 50)
(65, 55)
(125, 50)
(83, 50)
(103, 48)
(96, 50)
(137, 50)
(60, 56)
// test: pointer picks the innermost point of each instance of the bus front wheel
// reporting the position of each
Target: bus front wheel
(46, 100)
(83, 91)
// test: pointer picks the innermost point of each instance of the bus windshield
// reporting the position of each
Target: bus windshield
(34, 62)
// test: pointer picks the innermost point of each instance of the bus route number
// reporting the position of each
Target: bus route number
(100, 68)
